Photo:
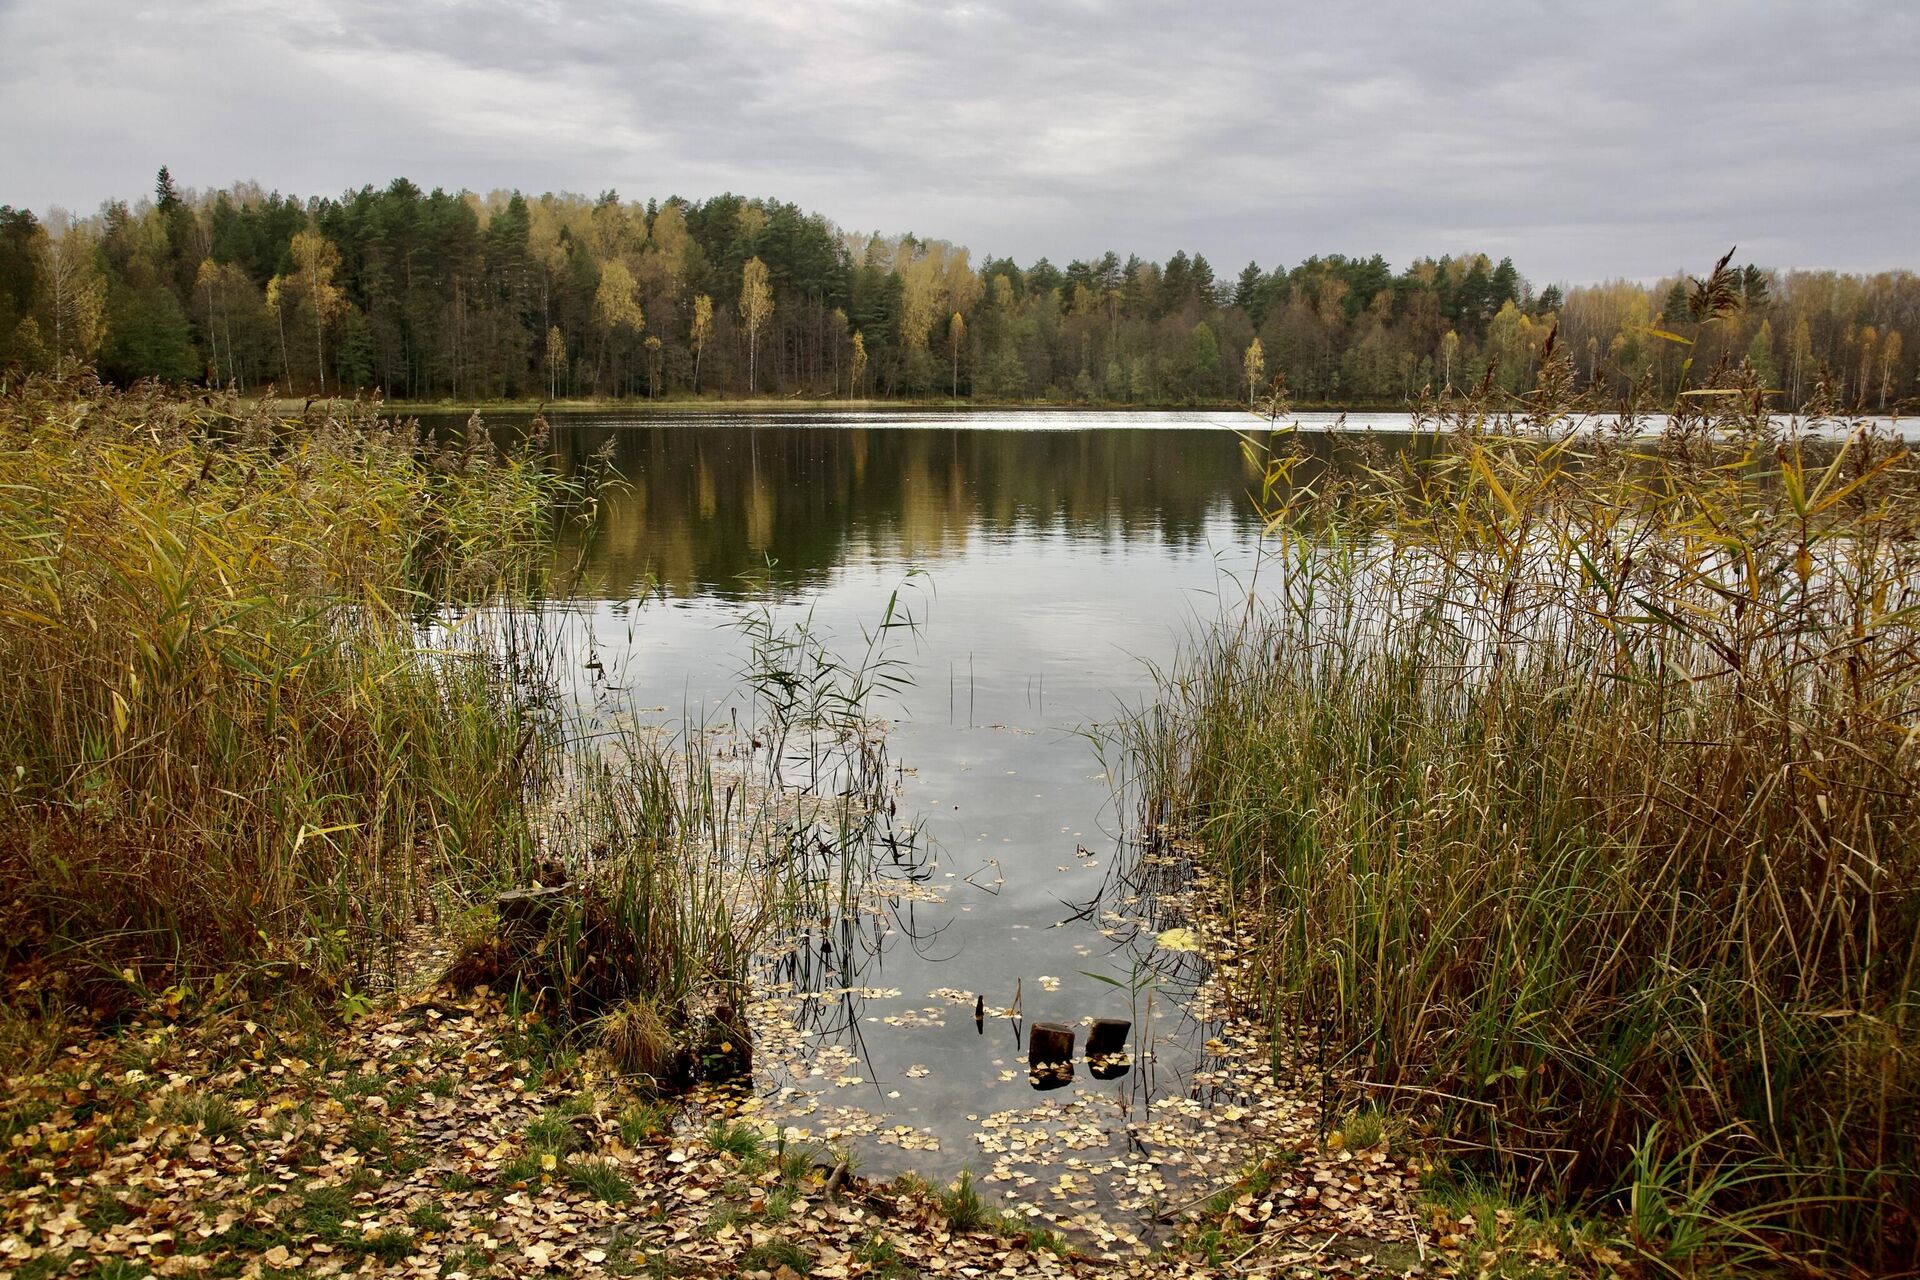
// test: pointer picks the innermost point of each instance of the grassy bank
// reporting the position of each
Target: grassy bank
(1567, 782)
(262, 718)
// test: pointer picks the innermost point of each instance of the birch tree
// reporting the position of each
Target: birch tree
(316, 259)
(956, 339)
(76, 289)
(856, 364)
(702, 330)
(616, 307)
(556, 360)
(1253, 367)
(756, 308)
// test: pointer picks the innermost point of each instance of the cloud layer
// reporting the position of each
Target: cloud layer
(1587, 141)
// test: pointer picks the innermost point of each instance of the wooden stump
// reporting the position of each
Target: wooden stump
(1049, 1043)
(525, 912)
(1107, 1037)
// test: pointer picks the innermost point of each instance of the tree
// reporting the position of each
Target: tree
(701, 332)
(857, 364)
(1799, 356)
(76, 291)
(1253, 367)
(555, 360)
(616, 306)
(1202, 360)
(756, 308)
(652, 344)
(1760, 354)
(317, 258)
(148, 336)
(1889, 361)
(1449, 347)
(1869, 340)
(956, 338)
(20, 266)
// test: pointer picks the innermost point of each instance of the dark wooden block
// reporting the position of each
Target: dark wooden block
(1049, 1043)
(1107, 1037)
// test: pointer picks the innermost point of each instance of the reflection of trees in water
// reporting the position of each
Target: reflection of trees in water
(705, 508)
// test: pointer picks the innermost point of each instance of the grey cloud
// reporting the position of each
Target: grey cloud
(1586, 141)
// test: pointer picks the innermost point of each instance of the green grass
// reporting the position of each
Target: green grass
(553, 1132)
(775, 1254)
(428, 1218)
(601, 1179)
(737, 1138)
(1567, 780)
(642, 1122)
(211, 1114)
(963, 1208)
(389, 1245)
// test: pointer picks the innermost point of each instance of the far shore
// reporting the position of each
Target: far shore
(796, 404)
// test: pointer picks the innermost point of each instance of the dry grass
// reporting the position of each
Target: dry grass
(1569, 777)
(230, 741)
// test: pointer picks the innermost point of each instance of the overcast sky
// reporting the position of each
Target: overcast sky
(1586, 140)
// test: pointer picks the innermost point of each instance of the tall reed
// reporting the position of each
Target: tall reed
(228, 747)
(1568, 775)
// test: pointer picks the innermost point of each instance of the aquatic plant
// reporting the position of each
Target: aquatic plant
(1567, 774)
(228, 742)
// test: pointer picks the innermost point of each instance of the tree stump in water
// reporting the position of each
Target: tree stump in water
(1049, 1055)
(1107, 1048)
(1049, 1043)
(1107, 1037)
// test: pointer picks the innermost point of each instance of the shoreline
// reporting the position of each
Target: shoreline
(763, 404)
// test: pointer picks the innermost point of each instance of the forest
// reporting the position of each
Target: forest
(437, 295)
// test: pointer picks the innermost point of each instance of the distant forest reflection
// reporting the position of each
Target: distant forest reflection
(725, 509)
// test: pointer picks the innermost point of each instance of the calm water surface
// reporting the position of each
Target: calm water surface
(1050, 562)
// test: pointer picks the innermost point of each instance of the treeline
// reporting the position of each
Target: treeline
(429, 295)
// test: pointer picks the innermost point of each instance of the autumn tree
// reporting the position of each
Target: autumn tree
(1889, 361)
(857, 364)
(277, 305)
(700, 333)
(555, 360)
(1253, 367)
(316, 258)
(76, 291)
(756, 308)
(616, 308)
(956, 339)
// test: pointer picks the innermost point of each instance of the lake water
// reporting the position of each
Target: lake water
(1051, 561)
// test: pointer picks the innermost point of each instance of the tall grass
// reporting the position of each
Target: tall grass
(226, 746)
(1568, 777)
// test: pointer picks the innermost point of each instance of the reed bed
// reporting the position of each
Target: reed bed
(230, 749)
(1566, 778)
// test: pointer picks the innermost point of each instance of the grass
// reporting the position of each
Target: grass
(777, 1253)
(642, 1122)
(211, 1114)
(1566, 778)
(280, 692)
(212, 637)
(738, 1139)
(601, 1179)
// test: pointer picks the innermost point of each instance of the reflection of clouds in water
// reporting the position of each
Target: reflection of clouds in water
(1060, 564)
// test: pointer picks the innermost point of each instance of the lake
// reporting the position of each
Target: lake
(1050, 562)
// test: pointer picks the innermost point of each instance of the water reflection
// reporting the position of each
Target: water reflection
(732, 510)
(1003, 892)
